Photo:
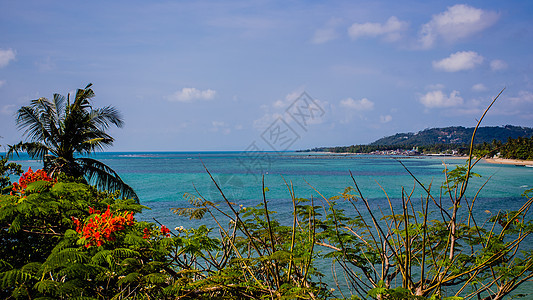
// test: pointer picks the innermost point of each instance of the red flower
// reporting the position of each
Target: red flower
(30, 177)
(165, 231)
(101, 227)
(77, 223)
(146, 232)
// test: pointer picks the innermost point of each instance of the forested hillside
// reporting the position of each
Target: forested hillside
(511, 141)
(455, 135)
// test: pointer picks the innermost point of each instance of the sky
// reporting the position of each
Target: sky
(270, 75)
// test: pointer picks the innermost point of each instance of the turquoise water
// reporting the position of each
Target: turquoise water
(162, 178)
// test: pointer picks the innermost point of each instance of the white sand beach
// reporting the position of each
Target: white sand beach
(505, 161)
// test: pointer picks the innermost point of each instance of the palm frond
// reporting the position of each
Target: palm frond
(59, 103)
(35, 150)
(94, 141)
(102, 117)
(29, 118)
(104, 177)
(59, 116)
(91, 142)
(50, 118)
(82, 98)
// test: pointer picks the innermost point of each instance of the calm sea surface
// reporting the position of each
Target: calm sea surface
(162, 178)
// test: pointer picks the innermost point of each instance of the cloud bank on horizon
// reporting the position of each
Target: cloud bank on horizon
(211, 75)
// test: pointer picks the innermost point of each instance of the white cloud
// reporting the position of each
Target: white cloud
(2, 82)
(191, 94)
(267, 119)
(385, 119)
(279, 104)
(275, 111)
(326, 34)
(288, 100)
(296, 107)
(457, 22)
(220, 126)
(360, 105)
(480, 87)
(6, 56)
(518, 106)
(459, 61)
(437, 99)
(522, 98)
(391, 30)
(8, 109)
(497, 65)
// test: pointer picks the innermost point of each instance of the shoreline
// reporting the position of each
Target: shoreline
(506, 161)
(499, 161)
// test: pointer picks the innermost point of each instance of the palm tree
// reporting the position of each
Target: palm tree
(59, 132)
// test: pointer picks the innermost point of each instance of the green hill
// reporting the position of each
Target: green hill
(455, 135)
(440, 140)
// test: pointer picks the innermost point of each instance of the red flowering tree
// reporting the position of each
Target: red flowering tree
(30, 177)
(101, 227)
(61, 239)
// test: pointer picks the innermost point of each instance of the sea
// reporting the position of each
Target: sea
(165, 180)
(162, 179)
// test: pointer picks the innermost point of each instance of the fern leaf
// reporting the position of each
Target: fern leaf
(124, 252)
(47, 286)
(63, 258)
(15, 225)
(14, 278)
(38, 186)
(131, 277)
(101, 257)
(31, 268)
(130, 262)
(155, 278)
(4, 265)
(191, 212)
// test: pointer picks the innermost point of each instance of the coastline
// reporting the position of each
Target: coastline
(506, 161)
(444, 156)
(501, 161)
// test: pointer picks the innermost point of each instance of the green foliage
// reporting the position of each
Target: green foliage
(6, 170)
(457, 177)
(398, 293)
(518, 148)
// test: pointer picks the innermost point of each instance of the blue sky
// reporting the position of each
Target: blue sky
(228, 75)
